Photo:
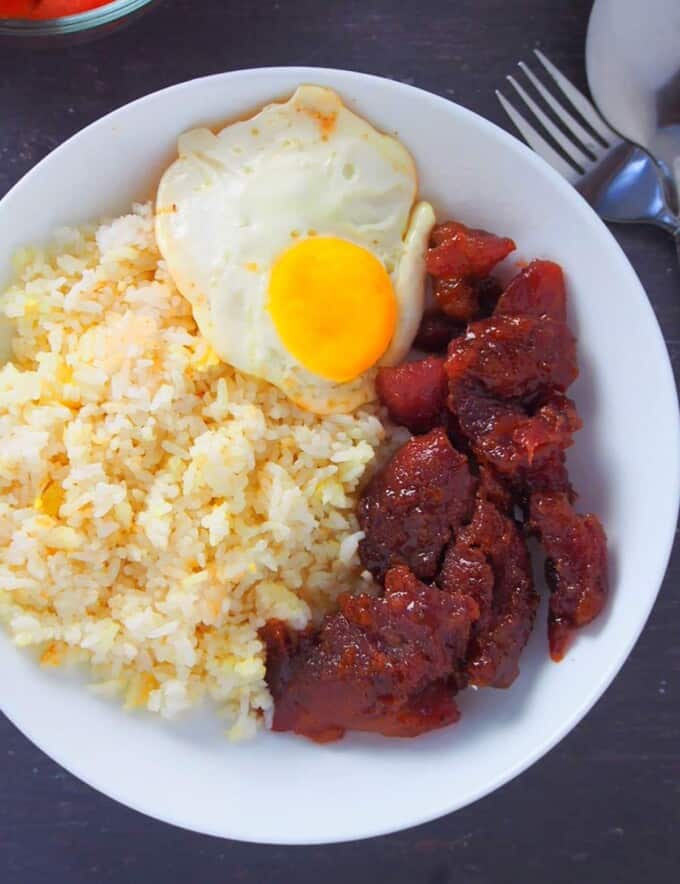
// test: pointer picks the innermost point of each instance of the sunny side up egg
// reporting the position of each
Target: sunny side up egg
(297, 239)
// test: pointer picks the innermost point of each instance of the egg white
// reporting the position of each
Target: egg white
(234, 201)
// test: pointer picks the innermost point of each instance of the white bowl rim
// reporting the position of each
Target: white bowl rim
(666, 542)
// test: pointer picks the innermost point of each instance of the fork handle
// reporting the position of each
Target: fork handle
(671, 224)
(676, 239)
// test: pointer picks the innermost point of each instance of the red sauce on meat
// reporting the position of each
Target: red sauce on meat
(414, 393)
(514, 357)
(460, 261)
(576, 565)
(390, 665)
(460, 252)
(412, 507)
(538, 290)
(446, 519)
(514, 440)
(499, 638)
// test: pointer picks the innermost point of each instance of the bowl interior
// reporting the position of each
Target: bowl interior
(625, 465)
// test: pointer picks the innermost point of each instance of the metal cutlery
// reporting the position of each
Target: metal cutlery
(620, 180)
(633, 67)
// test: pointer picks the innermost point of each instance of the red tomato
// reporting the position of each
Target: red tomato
(46, 8)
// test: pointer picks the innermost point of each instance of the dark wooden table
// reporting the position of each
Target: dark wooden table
(604, 806)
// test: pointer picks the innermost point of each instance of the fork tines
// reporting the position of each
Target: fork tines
(580, 147)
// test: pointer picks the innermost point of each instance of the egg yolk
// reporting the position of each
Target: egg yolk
(333, 306)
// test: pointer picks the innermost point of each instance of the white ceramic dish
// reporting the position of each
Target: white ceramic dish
(281, 788)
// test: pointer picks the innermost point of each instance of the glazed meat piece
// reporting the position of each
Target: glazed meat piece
(411, 506)
(414, 393)
(549, 429)
(478, 410)
(547, 473)
(505, 436)
(538, 290)
(460, 261)
(436, 331)
(464, 300)
(493, 656)
(390, 665)
(515, 357)
(464, 252)
(456, 298)
(466, 570)
(503, 591)
(494, 489)
(576, 567)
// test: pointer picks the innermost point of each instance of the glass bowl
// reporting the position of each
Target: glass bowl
(70, 24)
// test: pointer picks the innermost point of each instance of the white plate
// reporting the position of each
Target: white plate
(281, 788)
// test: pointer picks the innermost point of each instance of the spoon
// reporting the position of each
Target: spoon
(633, 64)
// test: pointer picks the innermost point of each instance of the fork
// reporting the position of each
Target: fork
(620, 180)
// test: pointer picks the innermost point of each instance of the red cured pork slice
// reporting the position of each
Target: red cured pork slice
(466, 570)
(413, 504)
(464, 300)
(391, 665)
(548, 473)
(491, 559)
(414, 393)
(538, 290)
(515, 357)
(494, 489)
(457, 298)
(576, 566)
(460, 261)
(516, 444)
(460, 251)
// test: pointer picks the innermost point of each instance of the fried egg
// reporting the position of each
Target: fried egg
(297, 239)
